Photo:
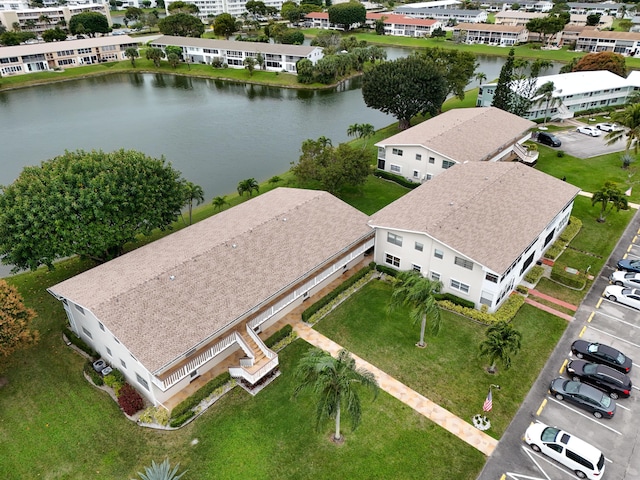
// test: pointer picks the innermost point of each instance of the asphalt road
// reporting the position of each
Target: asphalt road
(583, 146)
(597, 319)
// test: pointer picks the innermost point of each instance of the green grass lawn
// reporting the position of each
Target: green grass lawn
(448, 371)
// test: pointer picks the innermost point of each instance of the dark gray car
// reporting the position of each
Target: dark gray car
(583, 396)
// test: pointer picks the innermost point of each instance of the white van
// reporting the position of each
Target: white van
(584, 459)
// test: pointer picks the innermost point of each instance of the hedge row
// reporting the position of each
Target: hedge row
(505, 313)
(387, 270)
(281, 334)
(570, 280)
(191, 402)
(534, 274)
(178, 421)
(450, 297)
(308, 313)
(570, 231)
(78, 342)
(397, 179)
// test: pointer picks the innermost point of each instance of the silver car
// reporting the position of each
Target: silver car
(625, 279)
(623, 295)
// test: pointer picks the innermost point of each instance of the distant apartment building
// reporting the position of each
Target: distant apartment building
(593, 41)
(395, 25)
(490, 34)
(444, 15)
(37, 20)
(212, 8)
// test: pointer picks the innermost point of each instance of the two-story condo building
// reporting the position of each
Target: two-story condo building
(477, 228)
(592, 41)
(459, 135)
(213, 8)
(490, 34)
(441, 14)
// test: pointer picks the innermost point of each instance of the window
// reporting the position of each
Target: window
(391, 260)
(462, 287)
(447, 164)
(464, 263)
(549, 237)
(432, 160)
(80, 309)
(116, 340)
(395, 239)
(491, 277)
(486, 298)
(101, 326)
(395, 168)
(416, 268)
(87, 332)
(438, 253)
(397, 151)
(109, 352)
(124, 365)
(142, 381)
(435, 276)
(416, 174)
(418, 156)
(419, 246)
(429, 176)
(526, 263)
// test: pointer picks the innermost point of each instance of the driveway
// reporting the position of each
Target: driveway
(583, 146)
(600, 320)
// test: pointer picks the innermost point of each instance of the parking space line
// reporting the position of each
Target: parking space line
(634, 239)
(633, 386)
(623, 407)
(591, 317)
(599, 302)
(630, 255)
(531, 454)
(629, 248)
(503, 476)
(610, 317)
(542, 405)
(584, 329)
(624, 257)
(613, 336)
(564, 364)
(585, 416)
(618, 304)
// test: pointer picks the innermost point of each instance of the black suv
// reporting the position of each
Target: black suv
(548, 139)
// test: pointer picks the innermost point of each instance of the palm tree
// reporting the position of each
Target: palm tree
(545, 93)
(192, 192)
(161, 471)
(361, 130)
(248, 185)
(132, 54)
(335, 382)
(629, 118)
(44, 19)
(609, 197)
(481, 77)
(219, 202)
(501, 343)
(417, 292)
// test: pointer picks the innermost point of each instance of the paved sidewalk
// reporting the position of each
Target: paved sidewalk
(551, 299)
(548, 309)
(419, 403)
(582, 193)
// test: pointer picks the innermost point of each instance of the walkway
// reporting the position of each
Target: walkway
(549, 309)
(419, 403)
(635, 206)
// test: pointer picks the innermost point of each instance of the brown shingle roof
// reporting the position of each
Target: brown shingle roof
(587, 33)
(489, 212)
(222, 267)
(465, 134)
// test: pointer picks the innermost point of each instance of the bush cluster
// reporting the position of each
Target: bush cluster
(191, 402)
(284, 332)
(454, 299)
(397, 179)
(568, 234)
(78, 342)
(158, 415)
(130, 400)
(522, 289)
(570, 280)
(505, 313)
(308, 313)
(178, 421)
(392, 272)
(534, 274)
(95, 377)
(115, 380)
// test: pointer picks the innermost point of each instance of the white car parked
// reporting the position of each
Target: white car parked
(588, 130)
(625, 279)
(623, 295)
(607, 127)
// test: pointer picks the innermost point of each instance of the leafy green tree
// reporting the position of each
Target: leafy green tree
(161, 471)
(176, 50)
(192, 193)
(183, 7)
(501, 343)
(546, 26)
(305, 71)
(503, 97)
(347, 14)
(256, 7)
(173, 60)
(379, 26)
(133, 14)
(457, 68)
(250, 64)
(515, 7)
(260, 60)
(9, 39)
(413, 290)
(335, 382)
(376, 53)
(15, 321)
(219, 202)
(132, 53)
(86, 203)
(224, 25)
(439, 33)
(248, 186)
(45, 19)
(610, 196)
(405, 88)
(629, 118)
(155, 55)
(91, 23)
(54, 35)
(181, 25)
(291, 11)
(614, 62)
(291, 36)
(593, 20)
(333, 168)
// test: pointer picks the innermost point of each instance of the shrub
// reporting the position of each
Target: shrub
(158, 415)
(78, 342)
(217, 63)
(455, 299)
(570, 280)
(281, 334)
(130, 400)
(178, 421)
(95, 377)
(115, 380)
(392, 272)
(522, 289)
(397, 179)
(505, 313)
(534, 274)
(191, 402)
(571, 230)
(554, 251)
(560, 154)
(308, 313)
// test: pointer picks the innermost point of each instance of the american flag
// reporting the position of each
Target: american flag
(488, 403)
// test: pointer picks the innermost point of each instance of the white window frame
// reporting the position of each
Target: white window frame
(390, 259)
(397, 151)
(459, 286)
(435, 276)
(394, 239)
(438, 253)
(463, 262)
(416, 268)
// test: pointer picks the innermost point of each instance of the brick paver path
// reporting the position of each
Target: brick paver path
(419, 403)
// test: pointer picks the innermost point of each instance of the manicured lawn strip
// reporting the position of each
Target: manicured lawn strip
(448, 371)
(555, 306)
(375, 194)
(574, 297)
(273, 436)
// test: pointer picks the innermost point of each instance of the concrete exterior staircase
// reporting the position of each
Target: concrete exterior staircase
(259, 357)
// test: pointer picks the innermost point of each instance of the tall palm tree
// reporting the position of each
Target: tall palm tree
(481, 77)
(361, 130)
(417, 292)
(161, 471)
(192, 193)
(545, 93)
(610, 196)
(248, 186)
(335, 381)
(219, 202)
(501, 343)
(629, 118)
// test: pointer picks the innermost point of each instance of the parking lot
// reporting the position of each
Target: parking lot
(583, 146)
(597, 320)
